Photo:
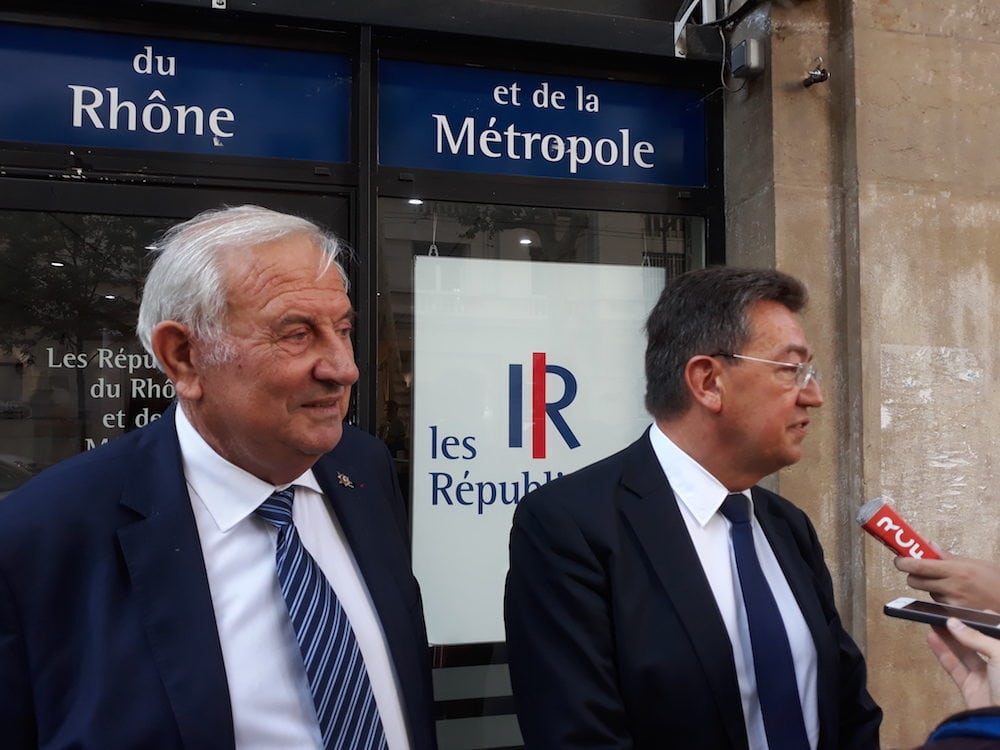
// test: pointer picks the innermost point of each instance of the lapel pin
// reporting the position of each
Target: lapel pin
(345, 481)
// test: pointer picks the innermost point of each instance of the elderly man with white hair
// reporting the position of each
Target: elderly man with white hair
(236, 574)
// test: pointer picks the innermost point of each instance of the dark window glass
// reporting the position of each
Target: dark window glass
(72, 373)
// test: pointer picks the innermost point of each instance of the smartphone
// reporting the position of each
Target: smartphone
(936, 614)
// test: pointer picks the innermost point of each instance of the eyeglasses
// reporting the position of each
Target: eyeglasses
(805, 372)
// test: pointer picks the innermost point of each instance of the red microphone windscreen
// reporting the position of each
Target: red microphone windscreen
(879, 519)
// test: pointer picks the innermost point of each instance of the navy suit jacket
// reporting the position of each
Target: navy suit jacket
(107, 630)
(613, 635)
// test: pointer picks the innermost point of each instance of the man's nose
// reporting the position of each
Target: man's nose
(336, 363)
(812, 394)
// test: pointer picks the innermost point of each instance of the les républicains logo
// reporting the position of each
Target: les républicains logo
(541, 407)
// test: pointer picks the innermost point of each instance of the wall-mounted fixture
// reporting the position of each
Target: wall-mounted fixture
(818, 74)
(746, 59)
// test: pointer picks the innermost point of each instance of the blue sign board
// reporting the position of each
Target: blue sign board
(500, 122)
(117, 91)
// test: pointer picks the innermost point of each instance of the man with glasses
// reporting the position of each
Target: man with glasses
(659, 598)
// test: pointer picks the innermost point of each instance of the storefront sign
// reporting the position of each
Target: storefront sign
(523, 372)
(499, 122)
(111, 90)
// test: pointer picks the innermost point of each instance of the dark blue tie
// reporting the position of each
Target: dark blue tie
(777, 690)
(338, 679)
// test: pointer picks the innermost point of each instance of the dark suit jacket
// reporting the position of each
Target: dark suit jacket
(613, 635)
(107, 631)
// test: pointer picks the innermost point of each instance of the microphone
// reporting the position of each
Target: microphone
(879, 519)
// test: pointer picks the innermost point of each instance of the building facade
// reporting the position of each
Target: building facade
(878, 187)
(498, 168)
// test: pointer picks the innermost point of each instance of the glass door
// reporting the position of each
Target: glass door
(501, 278)
(410, 227)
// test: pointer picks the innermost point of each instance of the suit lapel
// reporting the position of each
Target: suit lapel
(367, 521)
(803, 585)
(162, 553)
(651, 510)
(364, 517)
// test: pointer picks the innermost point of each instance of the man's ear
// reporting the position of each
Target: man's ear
(701, 373)
(176, 353)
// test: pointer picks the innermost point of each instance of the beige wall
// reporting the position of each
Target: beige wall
(881, 188)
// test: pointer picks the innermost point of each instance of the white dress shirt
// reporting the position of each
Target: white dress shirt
(271, 702)
(699, 497)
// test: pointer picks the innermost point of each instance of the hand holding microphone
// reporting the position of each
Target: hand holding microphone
(971, 658)
(960, 581)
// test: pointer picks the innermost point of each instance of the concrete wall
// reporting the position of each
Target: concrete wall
(880, 189)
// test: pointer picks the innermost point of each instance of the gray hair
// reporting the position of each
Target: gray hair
(705, 312)
(186, 281)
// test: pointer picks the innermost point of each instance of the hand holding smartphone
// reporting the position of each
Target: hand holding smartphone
(932, 613)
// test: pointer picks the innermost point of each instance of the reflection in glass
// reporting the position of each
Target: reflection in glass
(72, 373)
(520, 233)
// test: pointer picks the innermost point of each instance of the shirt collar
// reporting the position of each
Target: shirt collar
(228, 492)
(700, 492)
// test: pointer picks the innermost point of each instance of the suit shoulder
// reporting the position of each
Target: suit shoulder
(356, 436)
(75, 484)
(595, 483)
(794, 517)
(779, 506)
(356, 442)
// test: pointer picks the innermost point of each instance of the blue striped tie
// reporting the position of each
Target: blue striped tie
(338, 679)
(773, 666)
